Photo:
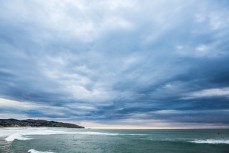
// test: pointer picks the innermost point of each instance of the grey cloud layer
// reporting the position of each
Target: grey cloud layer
(112, 60)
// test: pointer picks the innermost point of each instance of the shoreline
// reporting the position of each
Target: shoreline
(88, 128)
(2, 127)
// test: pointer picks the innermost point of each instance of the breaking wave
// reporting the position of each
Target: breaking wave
(35, 151)
(211, 141)
(200, 141)
(22, 134)
(16, 137)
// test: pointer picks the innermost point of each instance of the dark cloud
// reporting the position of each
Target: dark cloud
(116, 60)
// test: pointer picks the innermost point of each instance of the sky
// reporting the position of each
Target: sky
(116, 63)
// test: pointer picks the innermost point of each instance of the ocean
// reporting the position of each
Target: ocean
(64, 140)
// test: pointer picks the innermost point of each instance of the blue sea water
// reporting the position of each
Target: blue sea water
(63, 140)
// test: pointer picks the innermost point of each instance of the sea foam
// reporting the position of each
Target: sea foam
(16, 137)
(35, 151)
(12, 134)
(212, 141)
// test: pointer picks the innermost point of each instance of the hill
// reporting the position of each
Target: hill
(35, 123)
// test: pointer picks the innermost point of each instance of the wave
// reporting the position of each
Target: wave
(35, 151)
(211, 141)
(16, 136)
(21, 134)
(201, 141)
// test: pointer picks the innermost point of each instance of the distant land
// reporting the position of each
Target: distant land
(35, 123)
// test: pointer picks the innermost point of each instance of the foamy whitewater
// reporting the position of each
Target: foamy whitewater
(212, 141)
(64, 140)
(12, 134)
(35, 151)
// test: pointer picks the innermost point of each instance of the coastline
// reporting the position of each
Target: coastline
(35, 123)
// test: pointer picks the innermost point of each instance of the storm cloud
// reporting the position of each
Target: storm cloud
(159, 63)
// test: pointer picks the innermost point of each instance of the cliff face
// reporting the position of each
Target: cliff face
(35, 123)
